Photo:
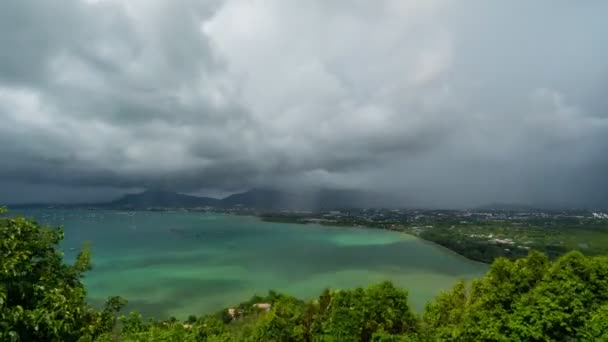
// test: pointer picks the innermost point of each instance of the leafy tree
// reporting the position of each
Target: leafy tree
(559, 306)
(596, 327)
(444, 316)
(384, 337)
(41, 298)
(357, 314)
(530, 299)
(284, 322)
(212, 326)
(133, 323)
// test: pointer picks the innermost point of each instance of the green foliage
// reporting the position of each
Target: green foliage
(41, 298)
(285, 322)
(384, 337)
(443, 317)
(212, 326)
(530, 299)
(357, 314)
(380, 312)
(596, 327)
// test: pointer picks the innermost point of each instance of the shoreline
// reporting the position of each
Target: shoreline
(321, 224)
(290, 221)
(321, 228)
(429, 242)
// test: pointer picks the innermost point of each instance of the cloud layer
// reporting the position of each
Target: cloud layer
(445, 102)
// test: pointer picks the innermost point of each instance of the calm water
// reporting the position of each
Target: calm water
(191, 263)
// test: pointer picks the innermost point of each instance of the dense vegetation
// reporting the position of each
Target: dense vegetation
(479, 240)
(530, 299)
(41, 298)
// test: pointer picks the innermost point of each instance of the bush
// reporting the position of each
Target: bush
(41, 298)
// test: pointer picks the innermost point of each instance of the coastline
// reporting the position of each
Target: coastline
(296, 221)
(429, 242)
(451, 251)
(344, 240)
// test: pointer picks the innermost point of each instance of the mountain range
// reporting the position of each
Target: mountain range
(264, 199)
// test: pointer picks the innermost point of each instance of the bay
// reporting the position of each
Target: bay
(180, 263)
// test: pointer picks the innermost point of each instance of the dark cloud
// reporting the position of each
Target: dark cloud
(449, 104)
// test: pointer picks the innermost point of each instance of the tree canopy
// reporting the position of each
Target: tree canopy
(41, 297)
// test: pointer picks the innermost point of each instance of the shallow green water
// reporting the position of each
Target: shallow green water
(192, 263)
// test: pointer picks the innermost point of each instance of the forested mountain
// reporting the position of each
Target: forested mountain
(158, 198)
(263, 199)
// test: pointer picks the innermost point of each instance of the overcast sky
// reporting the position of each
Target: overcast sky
(444, 103)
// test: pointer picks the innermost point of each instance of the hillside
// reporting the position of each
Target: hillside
(262, 199)
(161, 199)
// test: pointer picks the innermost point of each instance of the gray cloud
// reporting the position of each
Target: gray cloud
(447, 103)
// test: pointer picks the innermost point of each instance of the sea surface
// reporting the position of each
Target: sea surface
(178, 263)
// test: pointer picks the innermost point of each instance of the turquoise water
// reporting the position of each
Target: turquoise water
(176, 263)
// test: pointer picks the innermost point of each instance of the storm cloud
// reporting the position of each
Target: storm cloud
(444, 103)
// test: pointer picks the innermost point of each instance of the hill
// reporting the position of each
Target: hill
(261, 199)
(161, 199)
